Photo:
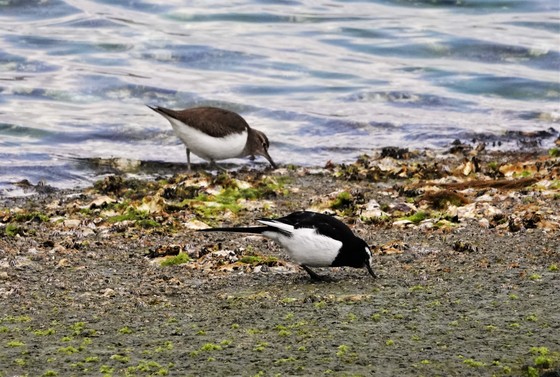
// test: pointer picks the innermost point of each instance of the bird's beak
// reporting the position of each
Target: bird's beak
(368, 266)
(267, 156)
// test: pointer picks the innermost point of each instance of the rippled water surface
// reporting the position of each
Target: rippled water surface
(326, 80)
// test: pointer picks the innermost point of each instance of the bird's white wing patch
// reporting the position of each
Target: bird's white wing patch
(277, 224)
(306, 246)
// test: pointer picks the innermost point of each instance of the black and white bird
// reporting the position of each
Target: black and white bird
(313, 240)
(215, 134)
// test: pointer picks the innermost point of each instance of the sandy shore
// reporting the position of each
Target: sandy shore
(114, 280)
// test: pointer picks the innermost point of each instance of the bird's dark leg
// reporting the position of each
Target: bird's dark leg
(213, 165)
(314, 276)
(188, 160)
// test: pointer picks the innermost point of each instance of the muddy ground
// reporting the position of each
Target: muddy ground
(464, 296)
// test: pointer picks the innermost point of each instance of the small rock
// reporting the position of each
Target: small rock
(195, 224)
(484, 198)
(87, 232)
(491, 212)
(100, 201)
(108, 292)
(63, 263)
(464, 246)
(467, 212)
(393, 247)
(71, 223)
(402, 207)
(468, 167)
(403, 223)
(426, 224)
(175, 281)
(242, 184)
(282, 270)
(57, 249)
(126, 164)
(151, 205)
(33, 251)
(373, 210)
(317, 171)
(452, 211)
(388, 164)
(515, 224)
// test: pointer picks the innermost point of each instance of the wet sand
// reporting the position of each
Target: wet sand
(468, 273)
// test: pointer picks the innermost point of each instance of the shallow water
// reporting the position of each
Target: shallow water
(325, 80)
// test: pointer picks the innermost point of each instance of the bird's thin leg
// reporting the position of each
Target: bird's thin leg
(314, 276)
(216, 166)
(188, 160)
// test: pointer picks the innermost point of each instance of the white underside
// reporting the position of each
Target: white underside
(305, 245)
(208, 147)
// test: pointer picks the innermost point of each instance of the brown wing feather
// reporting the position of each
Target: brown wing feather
(214, 121)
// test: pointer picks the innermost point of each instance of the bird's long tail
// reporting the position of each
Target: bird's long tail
(253, 229)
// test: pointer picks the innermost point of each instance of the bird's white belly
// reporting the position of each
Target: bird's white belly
(306, 246)
(208, 147)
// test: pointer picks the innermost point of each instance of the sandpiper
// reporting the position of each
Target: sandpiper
(313, 240)
(215, 134)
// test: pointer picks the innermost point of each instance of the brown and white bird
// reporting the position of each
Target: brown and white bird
(215, 134)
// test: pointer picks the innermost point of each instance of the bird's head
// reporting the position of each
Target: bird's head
(259, 146)
(369, 262)
(368, 258)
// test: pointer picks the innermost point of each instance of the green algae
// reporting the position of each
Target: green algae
(343, 200)
(417, 217)
(258, 260)
(180, 258)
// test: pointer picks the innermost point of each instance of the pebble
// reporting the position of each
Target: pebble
(403, 223)
(57, 249)
(72, 223)
(108, 292)
(63, 263)
(426, 224)
(87, 231)
(195, 224)
(373, 210)
(100, 201)
(484, 198)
